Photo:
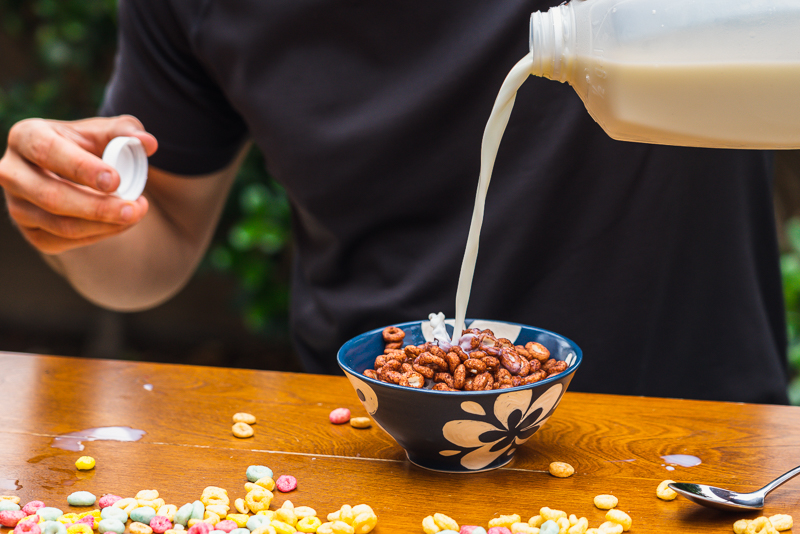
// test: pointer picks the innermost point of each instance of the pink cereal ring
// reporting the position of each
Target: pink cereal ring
(200, 528)
(499, 530)
(286, 483)
(226, 525)
(339, 416)
(160, 524)
(31, 507)
(27, 527)
(10, 518)
(108, 500)
(467, 529)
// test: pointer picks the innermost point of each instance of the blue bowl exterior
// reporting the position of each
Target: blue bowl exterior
(458, 431)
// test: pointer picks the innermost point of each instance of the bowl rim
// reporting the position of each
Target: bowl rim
(568, 371)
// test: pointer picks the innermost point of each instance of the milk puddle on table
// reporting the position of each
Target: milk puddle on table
(681, 460)
(72, 441)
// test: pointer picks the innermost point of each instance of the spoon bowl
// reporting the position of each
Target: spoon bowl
(727, 500)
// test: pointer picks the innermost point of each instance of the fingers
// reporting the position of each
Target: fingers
(73, 150)
(61, 197)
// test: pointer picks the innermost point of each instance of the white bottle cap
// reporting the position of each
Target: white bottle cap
(127, 156)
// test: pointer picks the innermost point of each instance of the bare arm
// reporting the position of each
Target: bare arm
(147, 264)
(119, 254)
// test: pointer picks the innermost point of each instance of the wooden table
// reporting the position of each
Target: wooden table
(615, 443)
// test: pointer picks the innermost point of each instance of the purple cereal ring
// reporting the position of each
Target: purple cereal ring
(27, 527)
(499, 530)
(160, 524)
(108, 500)
(286, 483)
(226, 525)
(31, 507)
(10, 518)
(200, 528)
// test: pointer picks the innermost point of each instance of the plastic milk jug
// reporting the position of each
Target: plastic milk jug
(706, 73)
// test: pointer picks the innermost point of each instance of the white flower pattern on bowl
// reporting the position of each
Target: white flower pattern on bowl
(519, 416)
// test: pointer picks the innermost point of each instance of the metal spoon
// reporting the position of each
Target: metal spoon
(728, 500)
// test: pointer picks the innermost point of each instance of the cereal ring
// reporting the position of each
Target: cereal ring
(200, 528)
(360, 422)
(160, 524)
(525, 367)
(781, 522)
(243, 417)
(618, 516)
(412, 351)
(242, 430)
(412, 379)
(308, 524)
(258, 499)
(143, 514)
(32, 507)
(28, 527)
(561, 469)
(108, 500)
(537, 350)
(429, 360)
(85, 463)
(760, 525)
(256, 472)
(168, 511)
(393, 334)
(446, 378)
(220, 509)
(740, 527)
(81, 498)
(48, 513)
(606, 502)
(286, 483)
(111, 512)
(501, 530)
(475, 366)
(504, 521)
(110, 525)
(459, 376)
(227, 525)
(553, 367)
(427, 372)
(510, 360)
(371, 374)
(394, 345)
(534, 377)
(441, 386)
(12, 498)
(610, 527)
(339, 416)
(492, 363)
(664, 492)
(446, 522)
(549, 514)
(147, 495)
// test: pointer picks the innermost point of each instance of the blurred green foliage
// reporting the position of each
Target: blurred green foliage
(790, 268)
(56, 58)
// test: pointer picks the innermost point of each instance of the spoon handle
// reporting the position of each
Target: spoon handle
(780, 480)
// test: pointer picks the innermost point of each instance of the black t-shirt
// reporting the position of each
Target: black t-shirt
(660, 262)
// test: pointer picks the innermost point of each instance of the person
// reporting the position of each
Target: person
(660, 262)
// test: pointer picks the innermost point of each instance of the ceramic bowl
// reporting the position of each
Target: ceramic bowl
(464, 432)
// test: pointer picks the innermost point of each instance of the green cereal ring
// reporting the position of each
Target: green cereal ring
(49, 513)
(81, 498)
(198, 509)
(183, 514)
(143, 514)
(8, 506)
(111, 525)
(256, 521)
(239, 531)
(112, 512)
(53, 527)
(254, 472)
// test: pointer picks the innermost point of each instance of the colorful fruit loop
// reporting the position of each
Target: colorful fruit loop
(148, 513)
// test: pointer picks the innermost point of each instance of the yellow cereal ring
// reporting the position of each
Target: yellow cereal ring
(264, 529)
(286, 515)
(147, 495)
(281, 527)
(606, 502)
(79, 528)
(258, 499)
(618, 516)
(325, 528)
(523, 528)
(239, 519)
(266, 483)
(445, 522)
(308, 524)
(536, 521)
(210, 517)
(219, 509)
(364, 522)
(502, 521)
(85, 463)
(340, 527)
(428, 526)
(269, 513)
(139, 528)
(550, 514)
(70, 517)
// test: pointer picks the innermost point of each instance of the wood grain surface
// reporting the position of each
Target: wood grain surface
(615, 444)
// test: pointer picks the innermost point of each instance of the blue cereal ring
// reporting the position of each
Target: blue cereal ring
(81, 498)
(183, 514)
(111, 525)
(143, 514)
(254, 472)
(112, 512)
(8, 506)
(48, 513)
(239, 531)
(198, 509)
(256, 521)
(53, 527)
(549, 527)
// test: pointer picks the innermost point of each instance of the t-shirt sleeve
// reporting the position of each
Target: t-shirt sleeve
(159, 79)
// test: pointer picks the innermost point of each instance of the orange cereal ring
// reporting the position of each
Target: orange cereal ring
(392, 334)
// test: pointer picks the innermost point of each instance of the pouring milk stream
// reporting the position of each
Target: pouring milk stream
(717, 74)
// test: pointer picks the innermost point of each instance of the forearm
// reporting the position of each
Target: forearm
(151, 261)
